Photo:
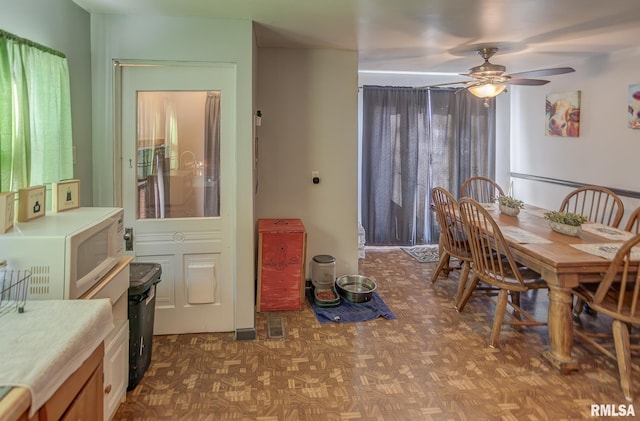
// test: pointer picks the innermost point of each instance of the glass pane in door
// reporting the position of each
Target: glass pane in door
(178, 154)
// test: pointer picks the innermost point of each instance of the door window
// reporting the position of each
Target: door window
(178, 154)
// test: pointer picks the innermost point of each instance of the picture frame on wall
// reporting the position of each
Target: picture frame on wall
(7, 206)
(31, 203)
(65, 195)
(633, 106)
(563, 114)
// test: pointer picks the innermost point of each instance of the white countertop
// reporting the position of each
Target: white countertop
(42, 347)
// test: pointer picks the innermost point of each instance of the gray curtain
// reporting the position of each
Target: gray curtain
(212, 154)
(412, 140)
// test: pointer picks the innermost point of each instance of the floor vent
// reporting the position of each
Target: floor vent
(275, 327)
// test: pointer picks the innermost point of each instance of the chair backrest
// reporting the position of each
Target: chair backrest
(483, 189)
(452, 235)
(492, 259)
(633, 224)
(621, 284)
(597, 204)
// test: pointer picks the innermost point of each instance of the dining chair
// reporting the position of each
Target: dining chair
(453, 240)
(483, 189)
(497, 268)
(633, 224)
(615, 296)
(597, 204)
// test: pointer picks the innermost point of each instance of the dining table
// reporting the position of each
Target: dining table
(563, 261)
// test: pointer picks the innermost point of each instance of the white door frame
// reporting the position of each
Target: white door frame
(226, 209)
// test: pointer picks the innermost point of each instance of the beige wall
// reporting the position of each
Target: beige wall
(308, 100)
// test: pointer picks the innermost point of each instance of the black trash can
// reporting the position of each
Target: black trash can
(142, 302)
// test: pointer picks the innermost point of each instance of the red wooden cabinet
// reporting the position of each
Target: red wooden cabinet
(281, 264)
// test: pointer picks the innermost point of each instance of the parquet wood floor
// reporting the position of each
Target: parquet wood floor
(432, 363)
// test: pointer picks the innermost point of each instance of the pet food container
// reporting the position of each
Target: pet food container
(323, 278)
(323, 271)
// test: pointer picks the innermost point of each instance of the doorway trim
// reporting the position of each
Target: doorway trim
(245, 333)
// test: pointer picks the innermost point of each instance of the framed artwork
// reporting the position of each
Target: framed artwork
(31, 203)
(634, 106)
(7, 200)
(563, 114)
(65, 195)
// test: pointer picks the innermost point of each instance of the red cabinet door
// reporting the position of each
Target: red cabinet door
(281, 264)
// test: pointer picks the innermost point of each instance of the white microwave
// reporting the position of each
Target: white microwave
(67, 252)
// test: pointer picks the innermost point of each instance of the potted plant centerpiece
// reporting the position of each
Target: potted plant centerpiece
(510, 206)
(565, 222)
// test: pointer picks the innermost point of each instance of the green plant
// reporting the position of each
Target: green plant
(510, 202)
(567, 218)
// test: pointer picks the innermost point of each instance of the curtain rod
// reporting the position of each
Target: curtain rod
(427, 88)
(7, 35)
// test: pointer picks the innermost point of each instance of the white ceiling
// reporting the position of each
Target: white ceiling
(423, 35)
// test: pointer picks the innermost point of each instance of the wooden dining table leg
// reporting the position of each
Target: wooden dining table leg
(560, 328)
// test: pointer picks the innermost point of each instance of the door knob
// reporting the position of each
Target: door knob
(128, 239)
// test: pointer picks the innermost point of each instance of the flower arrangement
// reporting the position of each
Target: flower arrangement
(566, 218)
(510, 202)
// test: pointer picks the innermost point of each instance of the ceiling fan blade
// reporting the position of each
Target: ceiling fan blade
(444, 84)
(542, 72)
(527, 82)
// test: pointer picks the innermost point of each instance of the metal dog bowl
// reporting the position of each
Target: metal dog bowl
(356, 288)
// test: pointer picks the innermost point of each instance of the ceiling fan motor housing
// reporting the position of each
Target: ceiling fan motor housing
(487, 69)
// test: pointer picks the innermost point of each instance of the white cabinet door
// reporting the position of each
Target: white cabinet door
(116, 370)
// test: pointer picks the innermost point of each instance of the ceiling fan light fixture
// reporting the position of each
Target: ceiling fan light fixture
(487, 90)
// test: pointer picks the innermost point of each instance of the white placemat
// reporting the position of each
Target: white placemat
(490, 206)
(521, 236)
(42, 347)
(537, 212)
(607, 232)
(606, 250)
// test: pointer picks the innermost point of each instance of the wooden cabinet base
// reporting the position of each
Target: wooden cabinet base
(80, 397)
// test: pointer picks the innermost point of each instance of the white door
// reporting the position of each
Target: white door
(177, 134)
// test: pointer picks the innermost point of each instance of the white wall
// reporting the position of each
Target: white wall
(503, 146)
(308, 100)
(182, 39)
(606, 152)
(63, 26)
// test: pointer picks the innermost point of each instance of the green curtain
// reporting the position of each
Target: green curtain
(35, 115)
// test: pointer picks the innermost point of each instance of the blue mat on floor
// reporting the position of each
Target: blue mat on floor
(348, 312)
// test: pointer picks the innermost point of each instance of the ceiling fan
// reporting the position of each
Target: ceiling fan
(488, 79)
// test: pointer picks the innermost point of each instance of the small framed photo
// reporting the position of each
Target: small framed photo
(31, 203)
(65, 195)
(7, 200)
